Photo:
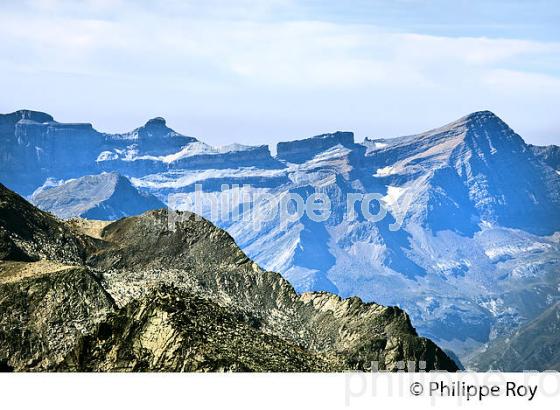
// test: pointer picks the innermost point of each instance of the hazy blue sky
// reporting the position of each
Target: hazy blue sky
(256, 71)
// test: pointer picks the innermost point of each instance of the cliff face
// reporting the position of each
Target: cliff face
(141, 295)
(35, 147)
(28, 234)
(45, 308)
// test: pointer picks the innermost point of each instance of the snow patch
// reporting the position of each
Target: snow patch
(107, 156)
(383, 172)
(393, 195)
(512, 250)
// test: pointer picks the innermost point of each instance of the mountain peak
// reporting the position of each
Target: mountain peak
(196, 271)
(483, 119)
(486, 128)
(482, 115)
(155, 128)
(476, 128)
(156, 122)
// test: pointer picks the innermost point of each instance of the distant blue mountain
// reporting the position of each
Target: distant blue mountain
(35, 148)
(107, 196)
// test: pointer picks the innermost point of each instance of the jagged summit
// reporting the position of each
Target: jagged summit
(479, 120)
(474, 118)
(482, 131)
(485, 122)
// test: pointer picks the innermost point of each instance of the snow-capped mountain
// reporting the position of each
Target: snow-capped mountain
(469, 247)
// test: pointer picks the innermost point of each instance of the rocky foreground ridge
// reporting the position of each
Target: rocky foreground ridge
(134, 295)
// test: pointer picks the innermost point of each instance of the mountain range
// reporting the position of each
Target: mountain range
(469, 248)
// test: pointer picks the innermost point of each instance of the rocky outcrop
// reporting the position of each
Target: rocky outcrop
(147, 295)
(173, 330)
(28, 234)
(45, 309)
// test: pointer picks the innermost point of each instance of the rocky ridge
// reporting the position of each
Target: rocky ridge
(148, 296)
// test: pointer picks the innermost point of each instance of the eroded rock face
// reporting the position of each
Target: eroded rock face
(475, 257)
(44, 314)
(148, 296)
(34, 148)
(173, 330)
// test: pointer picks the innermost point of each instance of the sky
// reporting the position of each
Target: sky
(263, 71)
